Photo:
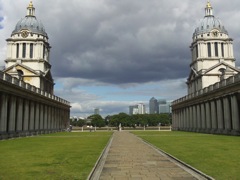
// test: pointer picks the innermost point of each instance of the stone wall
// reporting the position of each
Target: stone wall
(26, 110)
(214, 109)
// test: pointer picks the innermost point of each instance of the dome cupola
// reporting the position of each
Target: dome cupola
(30, 23)
(209, 23)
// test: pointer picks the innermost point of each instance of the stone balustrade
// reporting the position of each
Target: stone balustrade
(221, 84)
(15, 81)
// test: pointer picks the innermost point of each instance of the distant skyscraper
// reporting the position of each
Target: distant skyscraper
(137, 109)
(133, 109)
(164, 106)
(96, 111)
(141, 108)
(153, 106)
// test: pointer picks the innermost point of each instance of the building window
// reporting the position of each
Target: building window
(43, 51)
(20, 74)
(222, 47)
(24, 50)
(31, 50)
(209, 49)
(17, 52)
(197, 50)
(216, 48)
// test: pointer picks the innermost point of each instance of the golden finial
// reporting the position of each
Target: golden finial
(209, 4)
(30, 4)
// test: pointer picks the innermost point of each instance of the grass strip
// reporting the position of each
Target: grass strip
(52, 156)
(215, 155)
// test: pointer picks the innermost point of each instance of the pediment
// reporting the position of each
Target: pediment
(222, 66)
(19, 67)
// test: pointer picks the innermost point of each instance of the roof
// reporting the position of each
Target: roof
(209, 22)
(30, 23)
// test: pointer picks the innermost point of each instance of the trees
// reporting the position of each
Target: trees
(97, 120)
(81, 122)
(139, 120)
(125, 120)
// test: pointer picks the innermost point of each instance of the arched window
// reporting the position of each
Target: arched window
(43, 51)
(20, 74)
(216, 48)
(24, 50)
(209, 50)
(17, 51)
(31, 50)
(197, 50)
(222, 47)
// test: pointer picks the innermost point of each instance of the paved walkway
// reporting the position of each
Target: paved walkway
(130, 158)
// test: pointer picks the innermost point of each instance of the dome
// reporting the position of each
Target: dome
(209, 22)
(30, 23)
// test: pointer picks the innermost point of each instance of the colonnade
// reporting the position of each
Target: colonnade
(24, 112)
(218, 115)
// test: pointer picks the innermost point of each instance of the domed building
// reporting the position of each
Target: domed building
(28, 52)
(212, 53)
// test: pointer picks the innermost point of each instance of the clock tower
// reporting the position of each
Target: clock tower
(28, 52)
(212, 53)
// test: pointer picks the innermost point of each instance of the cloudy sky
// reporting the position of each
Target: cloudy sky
(110, 54)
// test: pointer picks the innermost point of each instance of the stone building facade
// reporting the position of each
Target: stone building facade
(28, 52)
(213, 100)
(212, 53)
(28, 105)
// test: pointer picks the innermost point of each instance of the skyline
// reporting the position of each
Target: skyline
(111, 54)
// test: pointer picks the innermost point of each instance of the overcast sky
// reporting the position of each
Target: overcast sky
(110, 54)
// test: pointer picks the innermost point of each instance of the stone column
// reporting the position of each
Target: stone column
(188, 118)
(199, 118)
(220, 116)
(185, 119)
(194, 118)
(49, 117)
(235, 114)
(32, 116)
(41, 115)
(214, 115)
(54, 126)
(208, 117)
(45, 117)
(26, 116)
(12, 115)
(19, 114)
(191, 118)
(37, 117)
(227, 114)
(3, 114)
(181, 119)
(174, 119)
(203, 117)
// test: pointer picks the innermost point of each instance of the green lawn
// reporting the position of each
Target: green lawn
(52, 156)
(216, 155)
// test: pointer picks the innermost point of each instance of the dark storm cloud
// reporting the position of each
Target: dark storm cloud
(120, 42)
